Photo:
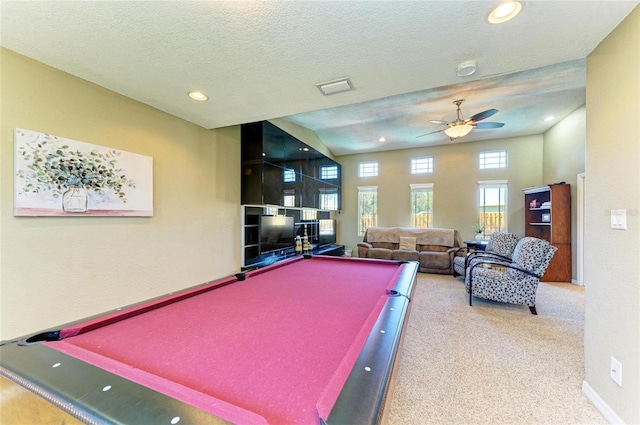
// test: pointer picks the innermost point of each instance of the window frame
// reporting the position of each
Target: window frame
(364, 166)
(482, 209)
(502, 160)
(362, 190)
(421, 188)
(415, 167)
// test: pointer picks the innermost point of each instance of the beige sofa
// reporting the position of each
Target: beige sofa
(434, 249)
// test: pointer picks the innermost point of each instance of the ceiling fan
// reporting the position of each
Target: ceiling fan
(461, 127)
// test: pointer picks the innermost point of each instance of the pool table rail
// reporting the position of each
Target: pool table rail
(365, 396)
(84, 394)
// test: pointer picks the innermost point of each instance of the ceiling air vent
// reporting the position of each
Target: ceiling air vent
(335, 86)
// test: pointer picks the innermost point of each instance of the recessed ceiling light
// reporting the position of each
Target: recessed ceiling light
(505, 12)
(550, 118)
(305, 149)
(197, 95)
(382, 140)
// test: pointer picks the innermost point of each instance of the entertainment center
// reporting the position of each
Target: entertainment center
(269, 234)
(288, 188)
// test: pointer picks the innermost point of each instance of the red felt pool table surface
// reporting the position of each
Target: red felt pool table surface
(275, 346)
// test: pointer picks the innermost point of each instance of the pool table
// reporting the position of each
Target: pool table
(310, 340)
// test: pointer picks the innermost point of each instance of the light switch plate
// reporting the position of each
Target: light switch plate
(616, 371)
(619, 219)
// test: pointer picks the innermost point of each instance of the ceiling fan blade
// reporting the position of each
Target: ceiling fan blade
(482, 115)
(485, 125)
(439, 131)
(438, 122)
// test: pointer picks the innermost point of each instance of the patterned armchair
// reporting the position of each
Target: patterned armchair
(500, 247)
(514, 282)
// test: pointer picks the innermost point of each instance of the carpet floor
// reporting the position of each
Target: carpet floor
(492, 363)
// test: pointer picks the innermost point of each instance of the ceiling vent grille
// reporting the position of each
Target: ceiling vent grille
(335, 86)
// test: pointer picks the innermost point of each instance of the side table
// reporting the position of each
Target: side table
(476, 245)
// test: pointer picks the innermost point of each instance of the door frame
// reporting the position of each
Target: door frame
(580, 206)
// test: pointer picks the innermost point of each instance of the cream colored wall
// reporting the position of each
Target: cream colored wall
(455, 180)
(563, 160)
(58, 269)
(612, 257)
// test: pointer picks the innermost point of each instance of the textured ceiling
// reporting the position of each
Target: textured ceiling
(261, 60)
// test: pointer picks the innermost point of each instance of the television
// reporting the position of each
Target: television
(276, 233)
(326, 232)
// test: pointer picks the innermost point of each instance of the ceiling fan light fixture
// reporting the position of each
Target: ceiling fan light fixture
(457, 131)
(504, 12)
(466, 68)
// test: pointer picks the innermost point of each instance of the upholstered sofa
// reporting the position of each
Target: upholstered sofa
(432, 248)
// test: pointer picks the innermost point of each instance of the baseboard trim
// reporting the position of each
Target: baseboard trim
(599, 403)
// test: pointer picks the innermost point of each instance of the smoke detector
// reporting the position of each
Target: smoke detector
(466, 68)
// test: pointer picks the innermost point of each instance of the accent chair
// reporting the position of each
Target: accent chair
(501, 246)
(515, 281)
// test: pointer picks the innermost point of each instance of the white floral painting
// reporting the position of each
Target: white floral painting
(55, 176)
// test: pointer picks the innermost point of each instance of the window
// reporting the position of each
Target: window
(329, 172)
(422, 165)
(367, 208)
(368, 169)
(422, 205)
(289, 175)
(289, 198)
(328, 199)
(492, 206)
(494, 159)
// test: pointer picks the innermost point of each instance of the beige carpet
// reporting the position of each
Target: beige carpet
(492, 363)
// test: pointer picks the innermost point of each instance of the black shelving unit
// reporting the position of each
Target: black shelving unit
(275, 164)
(252, 255)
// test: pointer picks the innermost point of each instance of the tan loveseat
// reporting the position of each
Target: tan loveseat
(434, 249)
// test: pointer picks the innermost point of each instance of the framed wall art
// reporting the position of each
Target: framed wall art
(55, 176)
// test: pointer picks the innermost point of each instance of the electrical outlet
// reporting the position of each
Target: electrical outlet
(616, 371)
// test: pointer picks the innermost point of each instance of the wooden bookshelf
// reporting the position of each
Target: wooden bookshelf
(550, 219)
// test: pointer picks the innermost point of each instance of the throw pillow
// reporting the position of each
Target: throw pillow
(407, 243)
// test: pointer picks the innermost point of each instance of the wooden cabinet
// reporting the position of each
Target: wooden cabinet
(548, 216)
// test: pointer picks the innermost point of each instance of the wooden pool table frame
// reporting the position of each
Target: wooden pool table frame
(362, 400)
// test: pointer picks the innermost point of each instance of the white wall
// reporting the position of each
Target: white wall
(612, 257)
(59, 269)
